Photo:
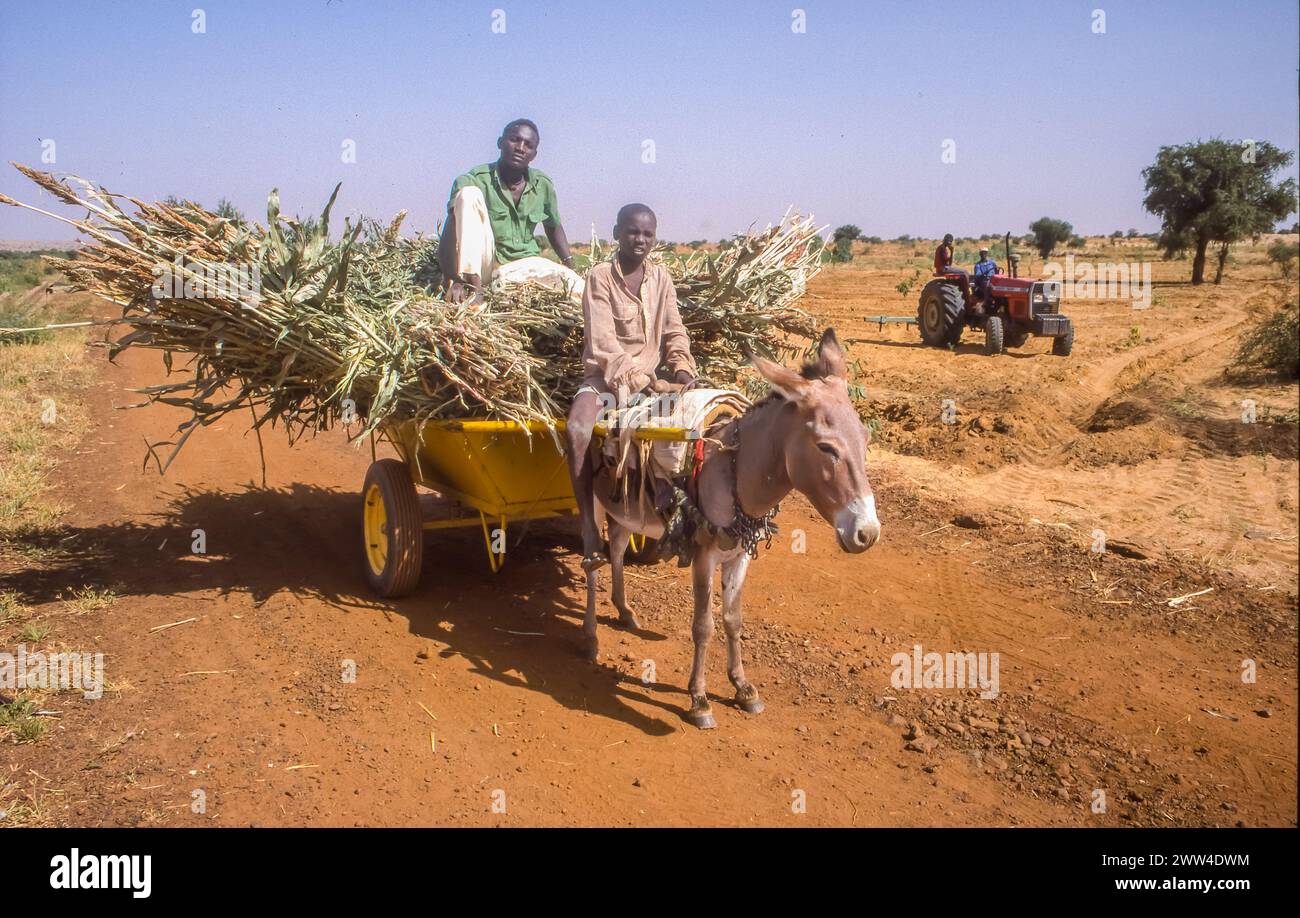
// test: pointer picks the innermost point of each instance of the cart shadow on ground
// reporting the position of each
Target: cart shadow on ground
(521, 627)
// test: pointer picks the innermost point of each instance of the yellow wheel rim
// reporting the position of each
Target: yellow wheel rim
(637, 542)
(376, 531)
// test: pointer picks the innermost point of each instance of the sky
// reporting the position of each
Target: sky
(848, 119)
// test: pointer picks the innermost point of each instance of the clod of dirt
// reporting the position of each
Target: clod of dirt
(1114, 415)
(1127, 549)
(923, 744)
(970, 521)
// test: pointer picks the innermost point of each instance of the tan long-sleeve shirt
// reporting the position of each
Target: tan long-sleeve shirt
(628, 334)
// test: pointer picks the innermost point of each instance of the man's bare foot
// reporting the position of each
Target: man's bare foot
(464, 289)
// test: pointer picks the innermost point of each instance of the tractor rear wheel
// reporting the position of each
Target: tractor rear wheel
(941, 314)
(1062, 346)
(993, 340)
(393, 529)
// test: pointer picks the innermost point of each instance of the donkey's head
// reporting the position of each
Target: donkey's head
(826, 446)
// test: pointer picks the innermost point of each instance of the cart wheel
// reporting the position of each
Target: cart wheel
(392, 528)
(641, 549)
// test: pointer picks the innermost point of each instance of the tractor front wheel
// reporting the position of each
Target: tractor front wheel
(993, 341)
(392, 529)
(940, 314)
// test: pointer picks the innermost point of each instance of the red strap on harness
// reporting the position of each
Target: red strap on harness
(699, 459)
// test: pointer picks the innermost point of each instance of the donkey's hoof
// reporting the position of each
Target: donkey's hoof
(590, 650)
(747, 698)
(627, 619)
(701, 715)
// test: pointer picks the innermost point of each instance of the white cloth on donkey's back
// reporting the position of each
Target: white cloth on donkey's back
(694, 410)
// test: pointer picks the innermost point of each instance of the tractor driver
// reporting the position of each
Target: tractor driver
(985, 268)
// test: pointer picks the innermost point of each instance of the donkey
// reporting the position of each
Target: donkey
(805, 436)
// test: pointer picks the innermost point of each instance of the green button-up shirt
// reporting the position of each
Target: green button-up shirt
(513, 224)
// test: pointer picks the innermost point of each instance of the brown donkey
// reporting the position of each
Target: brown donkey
(805, 437)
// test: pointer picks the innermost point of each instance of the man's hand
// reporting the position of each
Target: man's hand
(685, 380)
(663, 386)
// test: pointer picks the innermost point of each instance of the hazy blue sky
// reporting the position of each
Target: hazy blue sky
(747, 117)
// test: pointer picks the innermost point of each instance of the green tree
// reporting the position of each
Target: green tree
(844, 237)
(1048, 232)
(1216, 191)
(230, 212)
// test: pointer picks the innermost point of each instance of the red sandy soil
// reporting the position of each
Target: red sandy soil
(987, 525)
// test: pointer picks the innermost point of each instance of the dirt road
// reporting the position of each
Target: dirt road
(471, 705)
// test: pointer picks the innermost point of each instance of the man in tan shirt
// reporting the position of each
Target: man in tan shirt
(631, 327)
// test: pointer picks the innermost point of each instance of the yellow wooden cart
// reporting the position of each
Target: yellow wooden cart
(484, 473)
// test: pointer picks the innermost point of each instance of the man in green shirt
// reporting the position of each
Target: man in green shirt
(492, 215)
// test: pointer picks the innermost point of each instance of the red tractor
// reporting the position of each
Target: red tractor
(1013, 308)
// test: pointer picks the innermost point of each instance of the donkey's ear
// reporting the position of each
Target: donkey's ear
(785, 381)
(830, 356)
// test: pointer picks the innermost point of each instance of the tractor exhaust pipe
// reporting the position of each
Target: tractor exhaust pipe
(1011, 264)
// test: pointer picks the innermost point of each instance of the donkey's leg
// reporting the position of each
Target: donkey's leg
(618, 536)
(590, 646)
(733, 622)
(706, 561)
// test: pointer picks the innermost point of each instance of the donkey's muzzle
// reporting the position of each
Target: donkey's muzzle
(857, 525)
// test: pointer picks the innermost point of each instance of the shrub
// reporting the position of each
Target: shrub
(905, 286)
(1283, 254)
(14, 318)
(1273, 343)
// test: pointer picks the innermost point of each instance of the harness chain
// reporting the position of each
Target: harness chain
(684, 520)
(748, 530)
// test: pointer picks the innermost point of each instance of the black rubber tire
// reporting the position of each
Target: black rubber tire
(1016, 338)
(993, 339)
(649, 553)
(404, 527)
(940, 314)
(1062, 345)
